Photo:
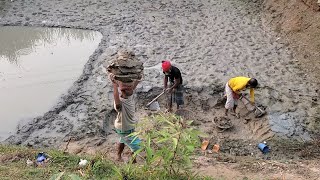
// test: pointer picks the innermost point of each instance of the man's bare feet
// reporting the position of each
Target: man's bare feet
(119, 159)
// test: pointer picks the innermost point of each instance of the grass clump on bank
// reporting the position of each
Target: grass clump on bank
(168, 144)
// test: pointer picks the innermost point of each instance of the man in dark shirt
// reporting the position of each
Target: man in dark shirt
(175, 89)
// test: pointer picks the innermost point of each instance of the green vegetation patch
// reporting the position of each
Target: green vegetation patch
(168, 143)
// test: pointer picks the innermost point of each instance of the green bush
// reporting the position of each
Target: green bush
(168, 143)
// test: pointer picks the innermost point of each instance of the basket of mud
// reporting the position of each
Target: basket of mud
(223, 123)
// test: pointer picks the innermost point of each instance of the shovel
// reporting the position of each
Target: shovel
(258, 111)
(154, 105)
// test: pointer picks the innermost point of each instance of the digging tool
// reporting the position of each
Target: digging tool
(258, 111)
(154, 105)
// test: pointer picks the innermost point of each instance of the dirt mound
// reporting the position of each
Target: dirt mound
(298, 22)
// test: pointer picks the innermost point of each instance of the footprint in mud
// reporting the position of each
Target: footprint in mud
(260, 129)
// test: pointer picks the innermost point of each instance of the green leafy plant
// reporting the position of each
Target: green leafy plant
(168, 143)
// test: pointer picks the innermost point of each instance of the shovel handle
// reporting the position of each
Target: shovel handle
(254, 105)
(153, 100)
(242, 96)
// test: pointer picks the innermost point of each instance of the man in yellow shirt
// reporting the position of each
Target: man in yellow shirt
(233, 91)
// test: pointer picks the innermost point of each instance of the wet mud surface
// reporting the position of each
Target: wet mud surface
(35, 71)
(210, 41)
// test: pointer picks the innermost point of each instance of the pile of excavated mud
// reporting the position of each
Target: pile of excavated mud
(126, 67)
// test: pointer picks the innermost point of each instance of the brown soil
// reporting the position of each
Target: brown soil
(14, 157)
(253, 169)
(298, 22)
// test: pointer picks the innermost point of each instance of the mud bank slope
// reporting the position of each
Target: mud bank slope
(298, 21)
(210, 41)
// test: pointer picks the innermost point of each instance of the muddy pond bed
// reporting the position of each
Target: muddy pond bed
(37, 66)
(210, 41)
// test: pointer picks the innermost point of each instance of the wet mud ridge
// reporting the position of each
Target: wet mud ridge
(210, 41)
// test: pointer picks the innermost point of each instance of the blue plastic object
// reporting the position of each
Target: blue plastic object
(41, 157)
(264, 148)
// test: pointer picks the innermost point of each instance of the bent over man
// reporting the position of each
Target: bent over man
(233, 91)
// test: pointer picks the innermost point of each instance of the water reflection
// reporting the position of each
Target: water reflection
(20, 41)
(4, 5)
(37, 65)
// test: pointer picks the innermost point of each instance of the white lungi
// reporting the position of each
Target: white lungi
(231, 101)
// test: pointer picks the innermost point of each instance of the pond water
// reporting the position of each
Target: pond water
(38, 65)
